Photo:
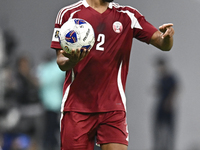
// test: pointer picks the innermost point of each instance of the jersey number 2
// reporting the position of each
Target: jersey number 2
(101, 40)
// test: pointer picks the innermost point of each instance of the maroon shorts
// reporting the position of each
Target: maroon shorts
(79, 129)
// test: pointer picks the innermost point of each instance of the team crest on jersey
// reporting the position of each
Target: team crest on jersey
(117, 27)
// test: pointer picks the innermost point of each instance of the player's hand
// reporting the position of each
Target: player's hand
(167, 30)
(76, 55)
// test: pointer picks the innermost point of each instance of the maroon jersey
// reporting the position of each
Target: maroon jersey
(97, 83)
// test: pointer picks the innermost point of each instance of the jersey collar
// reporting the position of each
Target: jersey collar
(87, 5)
(110, 5)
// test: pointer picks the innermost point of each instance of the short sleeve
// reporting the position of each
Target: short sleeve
(146, 31)
(62, 17)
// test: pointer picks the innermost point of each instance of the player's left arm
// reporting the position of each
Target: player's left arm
(163, 39)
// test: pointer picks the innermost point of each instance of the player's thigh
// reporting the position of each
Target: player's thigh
(74, 131)
(114, 146)
(113, 129)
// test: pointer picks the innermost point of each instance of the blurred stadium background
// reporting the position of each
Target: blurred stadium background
(31, 23)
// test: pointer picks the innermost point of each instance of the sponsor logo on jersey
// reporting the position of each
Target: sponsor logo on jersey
(117, 27)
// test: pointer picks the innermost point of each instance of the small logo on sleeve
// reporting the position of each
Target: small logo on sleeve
(55, 37)
(57, 33)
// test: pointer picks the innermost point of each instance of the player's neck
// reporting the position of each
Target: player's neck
(98, 5)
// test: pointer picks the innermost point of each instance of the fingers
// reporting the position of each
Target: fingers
(168, 33)
(80, 53)
(167, 30)
(84, 53)
(76, 55)
(164, 26)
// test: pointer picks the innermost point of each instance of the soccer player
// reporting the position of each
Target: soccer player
(94, 101)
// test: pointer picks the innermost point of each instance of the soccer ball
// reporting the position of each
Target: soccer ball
(76, 34)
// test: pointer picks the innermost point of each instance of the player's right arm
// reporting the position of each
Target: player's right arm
(67, 61)
(163, 39)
